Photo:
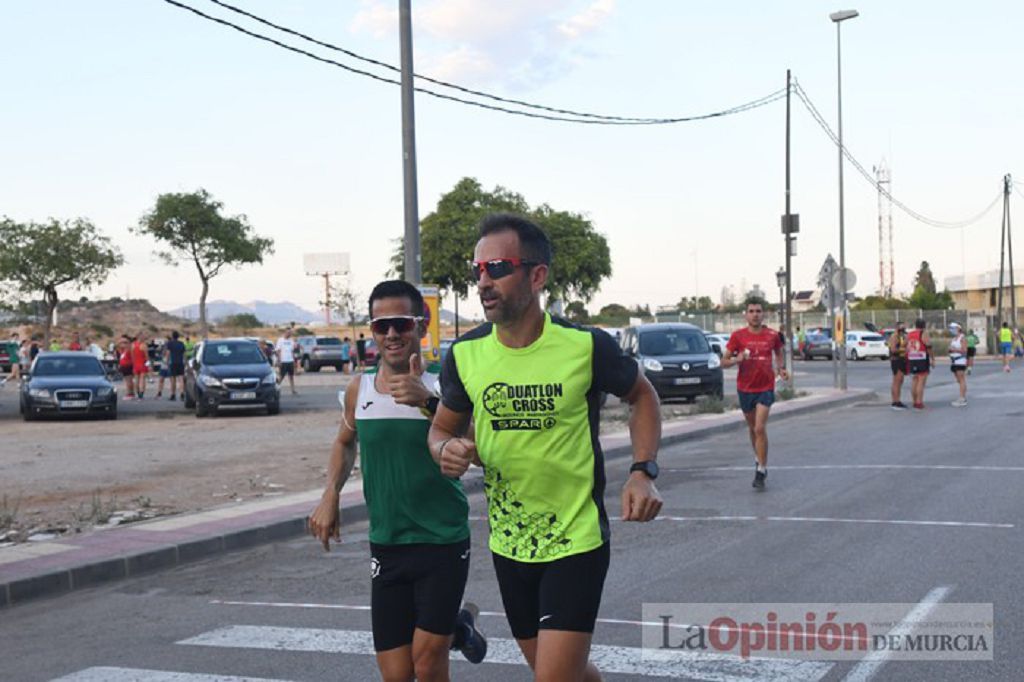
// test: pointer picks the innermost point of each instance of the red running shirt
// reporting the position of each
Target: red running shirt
(140, 356)
(756, 374)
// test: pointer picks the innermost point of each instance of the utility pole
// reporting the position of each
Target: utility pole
(1007, 186)
(412, 220)
(790, 226)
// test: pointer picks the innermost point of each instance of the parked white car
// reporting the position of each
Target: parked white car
(717, 342)
(861, 345)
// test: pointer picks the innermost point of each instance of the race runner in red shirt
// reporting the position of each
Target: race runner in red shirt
(753, 349)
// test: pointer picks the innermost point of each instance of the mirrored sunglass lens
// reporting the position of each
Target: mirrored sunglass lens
(497, 269)
(400, 324)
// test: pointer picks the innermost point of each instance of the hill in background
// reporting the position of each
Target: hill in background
(268, 313)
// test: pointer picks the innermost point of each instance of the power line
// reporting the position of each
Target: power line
(587, 119)
(941, 224)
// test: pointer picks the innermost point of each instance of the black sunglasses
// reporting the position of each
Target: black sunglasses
(403, 324)
(498, 267)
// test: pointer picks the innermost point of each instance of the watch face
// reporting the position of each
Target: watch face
(649, 467)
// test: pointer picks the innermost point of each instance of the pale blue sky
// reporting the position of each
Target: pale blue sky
(111, 102)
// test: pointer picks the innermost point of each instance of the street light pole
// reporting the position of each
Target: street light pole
(412, 220)
(839, 18)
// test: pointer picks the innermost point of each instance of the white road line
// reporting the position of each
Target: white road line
(106, 674)
(816, 467)
(823, 519)
(360, 607)
(610, 659)
(873, 662)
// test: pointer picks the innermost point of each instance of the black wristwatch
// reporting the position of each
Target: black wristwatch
(649, 467)
(432, 403)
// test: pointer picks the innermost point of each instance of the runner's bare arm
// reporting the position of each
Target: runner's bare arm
(780, 360)
(640, 498)
(325, 521)
(448, 444)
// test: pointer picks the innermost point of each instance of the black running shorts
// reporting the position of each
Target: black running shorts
(416, 586)
(286, 369)
(564, 594)
(898, 365)
(919, 366)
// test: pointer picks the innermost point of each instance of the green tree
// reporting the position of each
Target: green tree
(244, 321)
(925, 300)
(577, 312)
(694, 304)
(881, 303)
(191, 227)
(448, 235)
(346, 301)
(924, 279)
(40, 258)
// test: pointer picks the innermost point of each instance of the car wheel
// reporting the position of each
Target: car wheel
(27, 414)
(305, 364)
(273, 408)
(853, 355)
(111, 415)
(202, 410)
(189, 401)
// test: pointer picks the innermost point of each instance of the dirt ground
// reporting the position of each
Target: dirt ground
(157, 458)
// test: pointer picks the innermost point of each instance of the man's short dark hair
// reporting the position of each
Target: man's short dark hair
(175, 335)
(534, 244)
(754, 300)
(919, 323)
(398, 288)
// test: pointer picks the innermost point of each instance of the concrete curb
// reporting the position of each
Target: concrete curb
(52, 568)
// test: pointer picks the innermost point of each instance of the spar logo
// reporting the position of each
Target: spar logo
(522, 407)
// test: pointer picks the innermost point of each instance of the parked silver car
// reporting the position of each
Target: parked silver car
(320, 351)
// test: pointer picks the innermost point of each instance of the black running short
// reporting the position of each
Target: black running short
(919, 366)
(286, 369)
(972, 351)
(416, 586)
(898, 365)
(564, 594)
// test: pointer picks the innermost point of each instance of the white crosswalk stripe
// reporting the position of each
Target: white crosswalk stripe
(610, 659)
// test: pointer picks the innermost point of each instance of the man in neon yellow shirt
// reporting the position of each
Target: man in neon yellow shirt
(532, 385)
(1006, 345)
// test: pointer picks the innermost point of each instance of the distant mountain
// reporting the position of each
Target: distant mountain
(448, 318)
(271, 313)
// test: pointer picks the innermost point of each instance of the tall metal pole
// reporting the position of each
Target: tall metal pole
(789, 250)
(842, 215)
(412, 220)
(1002, 262)
(1007, 185)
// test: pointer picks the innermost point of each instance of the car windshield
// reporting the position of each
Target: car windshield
(85, 366)
(672, 342)
(232, 353)
(816, 338)
(872, 337)
(328, 341)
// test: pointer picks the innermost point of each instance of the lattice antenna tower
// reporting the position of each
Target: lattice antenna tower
(886, 252)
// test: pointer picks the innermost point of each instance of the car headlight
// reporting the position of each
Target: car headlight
(207, 380)
(104, 392)
(714, 362)
(652, 365)
(269, 379)
(42, 393)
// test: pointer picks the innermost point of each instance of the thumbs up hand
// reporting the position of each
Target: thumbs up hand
(408, 389)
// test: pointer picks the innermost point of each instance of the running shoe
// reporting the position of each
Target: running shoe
(468, 639)
(959, 402)
(918, 406)
(899, 406)
(759, 477)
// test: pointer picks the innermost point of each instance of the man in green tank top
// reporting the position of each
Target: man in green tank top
(532, 384)
(419, 528)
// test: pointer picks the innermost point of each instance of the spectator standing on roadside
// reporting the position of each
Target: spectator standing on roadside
(920, 361)
(76, 343)
(958, 361)
(93, 348)
(898, 364)
(124, 364)
(346, 353)
(140, 364)
(361, 351)
(285, 350)
(174, 351)
(1006, 345)
(972, 349)
(56, 345)
(164, 369)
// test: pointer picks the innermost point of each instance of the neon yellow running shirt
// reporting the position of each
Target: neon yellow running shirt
(536, 413)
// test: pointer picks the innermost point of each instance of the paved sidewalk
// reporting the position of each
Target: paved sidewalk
(38, 569)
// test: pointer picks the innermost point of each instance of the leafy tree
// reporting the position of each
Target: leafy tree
(448, 235)
(577, 312)
(881, 303)
(43, 257)
(925, 300)
(242, 321)
(693, 304)
(191, 227)
(346, 301)
(924, 279)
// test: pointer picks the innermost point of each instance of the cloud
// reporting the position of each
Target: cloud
(515, 45)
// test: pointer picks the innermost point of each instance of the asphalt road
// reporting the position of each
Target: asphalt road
(863, 505)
